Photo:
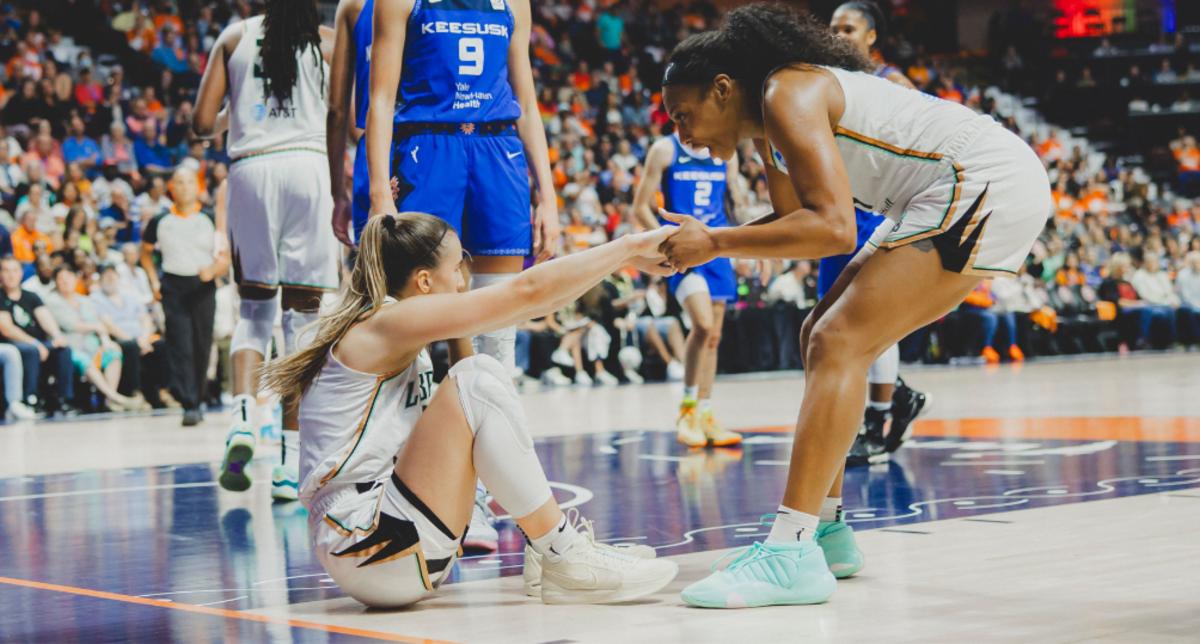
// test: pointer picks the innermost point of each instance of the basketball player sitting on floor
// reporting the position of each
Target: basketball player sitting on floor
(389, 534)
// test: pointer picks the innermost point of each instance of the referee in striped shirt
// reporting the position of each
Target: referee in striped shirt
(192, 256)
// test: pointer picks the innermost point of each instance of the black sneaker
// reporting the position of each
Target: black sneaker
(873, 424)
(907, 405)
(858, 456)
(868, 446)
(192, 417)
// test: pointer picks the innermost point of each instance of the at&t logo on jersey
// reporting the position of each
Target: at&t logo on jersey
(464, 28)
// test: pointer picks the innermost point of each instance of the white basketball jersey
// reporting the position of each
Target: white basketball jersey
(258, 124)
(895, 141)
(352, 423)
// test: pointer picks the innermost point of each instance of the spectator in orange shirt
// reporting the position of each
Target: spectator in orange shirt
(582, 78)
(1070, 274)
(45, 153)
(26, 238)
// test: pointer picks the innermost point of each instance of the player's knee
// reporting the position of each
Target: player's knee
(702, 329)
(484, 391)
(713, 340)
(255, 326)
(833, 342)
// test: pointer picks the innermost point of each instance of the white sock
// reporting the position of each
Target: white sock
(792, 526)
(554, 543)
(831, 509)
(705, 405)
(880, 406)
(243, 409)
(290, 447)
(690, 393)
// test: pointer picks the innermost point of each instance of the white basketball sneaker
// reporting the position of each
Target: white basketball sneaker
(532, 573)
(591, 573)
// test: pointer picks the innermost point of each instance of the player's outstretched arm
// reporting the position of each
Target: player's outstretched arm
(538, 291)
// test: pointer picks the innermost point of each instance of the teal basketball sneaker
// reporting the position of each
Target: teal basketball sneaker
(836, 539)
(766, 574)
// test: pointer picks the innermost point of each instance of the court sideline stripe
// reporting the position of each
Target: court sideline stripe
(217, 612)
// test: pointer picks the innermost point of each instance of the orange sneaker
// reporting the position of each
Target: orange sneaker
(989, 354)
(687, 427)
(1016, 353)
(716, 434)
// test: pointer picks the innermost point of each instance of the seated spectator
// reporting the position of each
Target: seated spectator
(26, 239)
(41, 283)
(118, 150)
(133, 277)
(119, 215)
(78, 228)
(129, 324)
(44, 153)
(80, 148)
(796, 285)
(1165, 73)
(27, 324)
(151, 203)
(88, 91)
(108, 184)
(980, 305)
(14, 380)
(93, 352)
(1188, 284)
(1070, 273)
(37, 200)
(1138, 314)
(151, 154)
(655, 326)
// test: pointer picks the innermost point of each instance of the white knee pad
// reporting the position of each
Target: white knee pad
(886, 367)
(500, 344)
(503, 452)
(295, 325)
(255, 325)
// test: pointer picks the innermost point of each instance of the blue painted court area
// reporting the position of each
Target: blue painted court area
(169, 533)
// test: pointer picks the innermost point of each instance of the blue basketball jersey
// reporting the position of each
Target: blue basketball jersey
(363, 35)
(695, 185)
(456, 63)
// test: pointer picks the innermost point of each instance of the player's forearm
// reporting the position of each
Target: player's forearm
(547, 287)
(803, 234)
(379, 142)
(336, 131)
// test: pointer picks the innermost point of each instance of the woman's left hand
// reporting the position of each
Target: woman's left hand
(691, 245)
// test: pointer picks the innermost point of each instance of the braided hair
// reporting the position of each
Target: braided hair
(289, 27)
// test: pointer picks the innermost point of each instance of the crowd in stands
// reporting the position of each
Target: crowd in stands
(87, 153)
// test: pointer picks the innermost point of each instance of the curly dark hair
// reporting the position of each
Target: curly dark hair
(289, 27)
(755, 41)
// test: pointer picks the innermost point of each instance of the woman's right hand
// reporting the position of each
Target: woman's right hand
(386, 205)
(647, 257)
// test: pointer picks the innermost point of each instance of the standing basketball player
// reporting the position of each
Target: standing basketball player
(861, 24)
(390, 466)
(453, 130)
(694, 182)
(273, 69)
(965, 198)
